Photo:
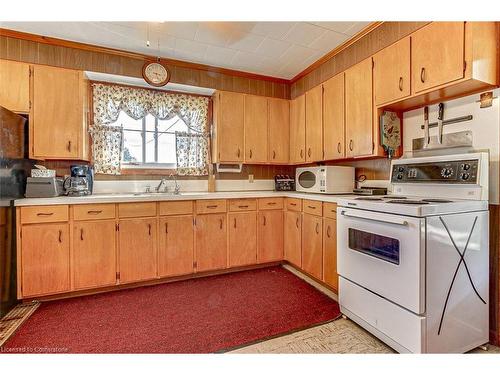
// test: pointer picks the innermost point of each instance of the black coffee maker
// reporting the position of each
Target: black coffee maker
(86, 171)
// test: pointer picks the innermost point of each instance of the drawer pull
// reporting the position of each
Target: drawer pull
(317, 228)
(81, 234)
(212, 206)
(271, 203)
(94, 212)
(60, 236)
(221, 221)
(328, 229)
(311, 207)
(45, 214)
(245, 206)
(293, 204)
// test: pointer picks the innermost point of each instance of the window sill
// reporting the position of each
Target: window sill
(148, 171)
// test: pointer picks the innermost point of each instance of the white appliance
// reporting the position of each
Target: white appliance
(414, 266)
(325, 179)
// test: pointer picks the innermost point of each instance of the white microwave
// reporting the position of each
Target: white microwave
(326, 179)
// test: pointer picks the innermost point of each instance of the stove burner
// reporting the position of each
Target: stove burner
(368, 199)
(433, 200)
(402, 201)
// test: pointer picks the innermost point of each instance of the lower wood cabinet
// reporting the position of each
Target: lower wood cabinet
(176, 246)
(211, 242)
(312, 245)
(137, 240)
(270, 235)
(94, 254)
(293, 238)
(330, 275)
(45, 261)
(242, 238)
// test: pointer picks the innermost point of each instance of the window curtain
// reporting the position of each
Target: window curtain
(192, 147)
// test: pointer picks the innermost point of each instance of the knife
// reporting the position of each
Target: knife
(426, 126)
(440, 122)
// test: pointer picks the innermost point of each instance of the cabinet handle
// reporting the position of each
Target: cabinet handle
(69, 146)
(301, 153)
(239, 152)
(246, 206)
(220, 223)
(212, 206)
(297, 222)
(234, 223)
(45, 214)
(339, 148)
(81, 234)
(317, 228)
(274, 154)
(400, 83)
(250, 153)
(149, 229)
(309, 152)
(422, 75)
(60, 236)
(271, 203)
(350, 145)
(311, 207)
(293, 204)
(264, 222)
(166, 228)
(328, 231)
(94, 212)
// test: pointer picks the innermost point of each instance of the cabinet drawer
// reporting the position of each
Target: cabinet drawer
(210, 206)
(270, 203)
(293, 204)
(44, 214)
(137, 209)
(242, 205)
(176, 208)
(312, 207)
(330, 210)
(93, 211)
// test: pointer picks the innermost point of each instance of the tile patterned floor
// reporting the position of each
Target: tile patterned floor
(13, 320)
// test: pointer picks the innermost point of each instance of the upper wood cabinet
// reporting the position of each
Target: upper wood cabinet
(58, 120)
(176, 246)
(391, 72)
(279, 131)
(242, 238)
(211, 242)
(229, 127)
(270, 236)
(256, 129)
(333, 118)
(314, 124)
(15, 86)
(359, 109)
(437, 54)
(298, 130)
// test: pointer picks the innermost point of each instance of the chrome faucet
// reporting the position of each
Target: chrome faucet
(162, 184)
(177, 188)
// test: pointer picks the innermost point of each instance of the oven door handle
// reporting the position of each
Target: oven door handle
(388, 221)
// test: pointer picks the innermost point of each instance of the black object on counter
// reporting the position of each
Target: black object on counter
(284, 183)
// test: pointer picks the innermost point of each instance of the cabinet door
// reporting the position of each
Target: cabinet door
(298, 129)
(270, 235)
(330, 275)
(176, 246)
(211, 242)
(137, 259)
(230, 129)
(242, 238)
(45, 259)
(437, 54)
(279, 131)
(15, 86)
(58, 118)
(391, 72)
(94, 254)
(314, 124)
(256, 134)
(312, 245)
(359, 109)
(333, 118)
(293, 238)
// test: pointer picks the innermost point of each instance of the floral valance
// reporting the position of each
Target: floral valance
(192, 147)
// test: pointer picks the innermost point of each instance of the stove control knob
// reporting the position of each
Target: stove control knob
(446, 172)
(465, 176)
(401, 169)
(399, 176)
(465, 167)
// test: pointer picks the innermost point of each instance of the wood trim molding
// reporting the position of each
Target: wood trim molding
(134, 55)
(368, 29)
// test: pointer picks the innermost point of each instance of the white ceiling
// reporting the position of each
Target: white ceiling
(278, 49)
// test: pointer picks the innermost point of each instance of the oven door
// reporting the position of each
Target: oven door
(383, 253)
(308, 180)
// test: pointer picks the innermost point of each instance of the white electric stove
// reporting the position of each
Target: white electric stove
(414, 265)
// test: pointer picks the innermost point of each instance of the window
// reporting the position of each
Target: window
(149, 142)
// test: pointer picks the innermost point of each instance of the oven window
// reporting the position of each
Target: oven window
(307, 179)
(375, 245)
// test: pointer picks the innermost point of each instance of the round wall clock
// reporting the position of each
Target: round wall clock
(155, 74)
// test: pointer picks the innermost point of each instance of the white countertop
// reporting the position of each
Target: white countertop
(148, 197)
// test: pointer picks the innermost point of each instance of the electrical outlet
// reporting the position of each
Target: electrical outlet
(250, 178)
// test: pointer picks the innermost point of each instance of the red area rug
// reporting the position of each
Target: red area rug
(202, 315)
